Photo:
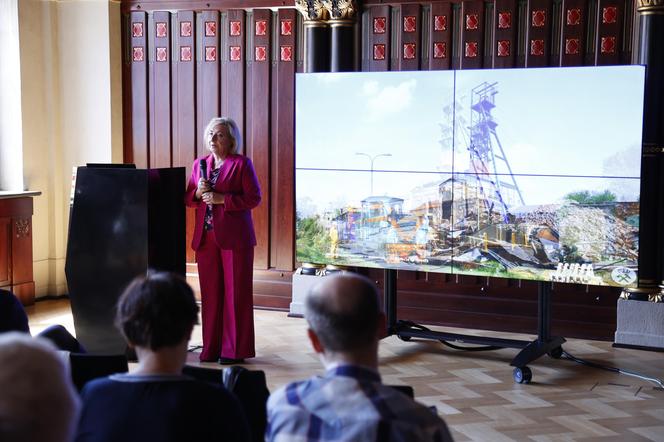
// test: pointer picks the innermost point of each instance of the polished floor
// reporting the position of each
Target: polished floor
(474, 392)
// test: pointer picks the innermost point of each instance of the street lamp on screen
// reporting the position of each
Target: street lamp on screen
(372, 158)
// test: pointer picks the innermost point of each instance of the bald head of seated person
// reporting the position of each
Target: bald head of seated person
(155, 402)
(37, 399)
(349, 402)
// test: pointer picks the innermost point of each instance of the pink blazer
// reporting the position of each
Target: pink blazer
(233, 227)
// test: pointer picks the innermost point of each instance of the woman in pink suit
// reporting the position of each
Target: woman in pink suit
(223, 187)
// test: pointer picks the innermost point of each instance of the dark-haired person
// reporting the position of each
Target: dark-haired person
(349, 403)
(224, 241)
(155, 402)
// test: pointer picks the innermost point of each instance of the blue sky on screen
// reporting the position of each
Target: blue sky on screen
(550, 122)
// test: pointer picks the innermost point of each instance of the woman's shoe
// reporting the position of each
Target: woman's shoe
(230, 361)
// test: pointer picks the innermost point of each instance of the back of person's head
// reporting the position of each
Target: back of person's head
(12, 314)
(343, 310)
(157, 310)
(37, 399)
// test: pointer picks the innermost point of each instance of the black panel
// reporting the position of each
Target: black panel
(122, 222)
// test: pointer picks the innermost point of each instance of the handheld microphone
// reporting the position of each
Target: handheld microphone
(203, 166)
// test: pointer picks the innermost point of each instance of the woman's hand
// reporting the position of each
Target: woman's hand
(213, 198)
(203, 187)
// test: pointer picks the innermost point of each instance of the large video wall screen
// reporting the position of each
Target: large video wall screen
(515, 173)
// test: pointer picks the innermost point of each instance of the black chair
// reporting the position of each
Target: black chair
(250, 387)
(208, 375)
(86, 367)
(405, 389)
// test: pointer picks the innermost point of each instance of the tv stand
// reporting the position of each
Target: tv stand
(530, 350)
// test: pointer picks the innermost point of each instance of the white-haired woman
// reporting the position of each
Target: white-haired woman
(223, 187)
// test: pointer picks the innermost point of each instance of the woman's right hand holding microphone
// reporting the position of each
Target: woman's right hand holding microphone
(203, 186)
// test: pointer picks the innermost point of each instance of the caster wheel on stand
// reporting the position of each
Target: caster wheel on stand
(522, 375)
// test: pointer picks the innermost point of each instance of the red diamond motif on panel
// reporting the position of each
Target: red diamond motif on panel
(235, 53)
(409, 51)
(608, 45)
(185, 29)
(571, 46)
(573, 17)
(379, 25)
(472, 22)
(609, 14)
(210, 28)
(137, 53)
(409, 23)
(185, 53)
(235, 28)
(210, 53)
(286, 53)
(440, 22)
(261, 52)
(161, 29)
(162, 55)
(471, 49)
(504, 20)
(137, 29)
(261, 27)
(539, 17)
(286, 27)
(537, 47)
(379, 52)
(439, 49)
(503, 49)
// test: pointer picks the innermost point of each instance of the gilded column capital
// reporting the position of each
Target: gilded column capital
(650, 6)
(341, 9)
(311, 10)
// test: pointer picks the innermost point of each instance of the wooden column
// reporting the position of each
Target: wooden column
(343, 49)
(316, 35)
(16, 245)
(651, 54)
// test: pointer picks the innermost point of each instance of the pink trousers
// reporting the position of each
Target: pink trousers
(226, 278)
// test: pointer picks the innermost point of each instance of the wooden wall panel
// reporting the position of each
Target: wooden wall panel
(408, 28)
(472, 35)
(282, 151)
(234, 58)
(504, 44)
(159, 88)
(538, 43)
(259, 126)
(136, 122)
(574, 17)
(183, 114)
(609, 42)
(207, 73)
(440, 30)
(377, 39)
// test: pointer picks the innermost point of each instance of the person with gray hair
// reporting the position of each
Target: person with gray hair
(37, 399)
(349, 402)
(224, 189)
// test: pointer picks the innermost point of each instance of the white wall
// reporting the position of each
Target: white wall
(11, 176)
(72, 100)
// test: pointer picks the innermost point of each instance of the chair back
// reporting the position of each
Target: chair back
(86, 367)
(250, 387)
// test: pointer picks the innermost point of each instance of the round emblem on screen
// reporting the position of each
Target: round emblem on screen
(623, 275)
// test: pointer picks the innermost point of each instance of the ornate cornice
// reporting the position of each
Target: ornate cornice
(650, 6)
(341, 9)
(311, 10)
